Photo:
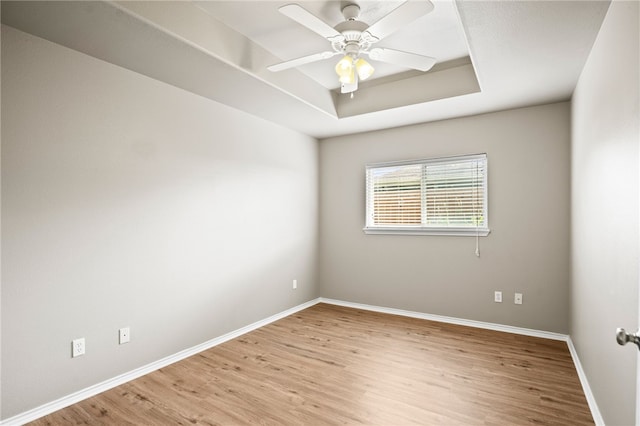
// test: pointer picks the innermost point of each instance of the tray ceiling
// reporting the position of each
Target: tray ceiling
(492, 55)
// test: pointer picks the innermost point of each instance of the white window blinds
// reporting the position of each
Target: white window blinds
(435, 196)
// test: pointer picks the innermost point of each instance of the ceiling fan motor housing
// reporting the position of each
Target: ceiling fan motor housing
(353, 37)
(351, 29)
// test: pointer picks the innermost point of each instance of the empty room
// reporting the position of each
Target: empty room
(320, 212)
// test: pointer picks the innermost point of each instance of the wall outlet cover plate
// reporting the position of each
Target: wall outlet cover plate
(518, 299)
(124, 335)
(77, 347)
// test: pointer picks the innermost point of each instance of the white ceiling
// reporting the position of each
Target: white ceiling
(492, 55)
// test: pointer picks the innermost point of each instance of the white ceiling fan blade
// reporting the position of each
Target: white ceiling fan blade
(301, 61)
(405, 59)
(407, 12)
(307, 19)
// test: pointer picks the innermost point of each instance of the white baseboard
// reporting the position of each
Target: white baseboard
(65, 401)
(450, 320)
(591, 400)
(593, 406)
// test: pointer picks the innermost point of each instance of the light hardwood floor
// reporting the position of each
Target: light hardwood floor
(335, 365)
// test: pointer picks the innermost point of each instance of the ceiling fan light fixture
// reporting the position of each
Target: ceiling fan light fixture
(364, 68)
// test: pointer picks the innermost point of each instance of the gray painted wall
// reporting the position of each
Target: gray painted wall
(129, 202)
(605, 234)
(527, 250)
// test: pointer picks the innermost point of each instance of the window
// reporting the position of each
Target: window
(446, 196)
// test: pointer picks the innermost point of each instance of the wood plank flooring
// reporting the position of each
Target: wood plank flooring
(334, 365)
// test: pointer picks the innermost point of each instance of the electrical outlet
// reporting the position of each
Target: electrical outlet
(518, 299)
(77, 347)
(295, 284)
(497, 296)
(124, 335)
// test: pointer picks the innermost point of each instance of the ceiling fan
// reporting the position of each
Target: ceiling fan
(353, 39)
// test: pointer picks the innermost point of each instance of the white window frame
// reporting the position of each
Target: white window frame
(422, 229)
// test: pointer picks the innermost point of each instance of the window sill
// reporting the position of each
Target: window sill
(460, 232)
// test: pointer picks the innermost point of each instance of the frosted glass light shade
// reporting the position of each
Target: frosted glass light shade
(365, 70)
(346, 70)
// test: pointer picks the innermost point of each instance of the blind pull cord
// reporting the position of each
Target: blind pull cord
(476, 208)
